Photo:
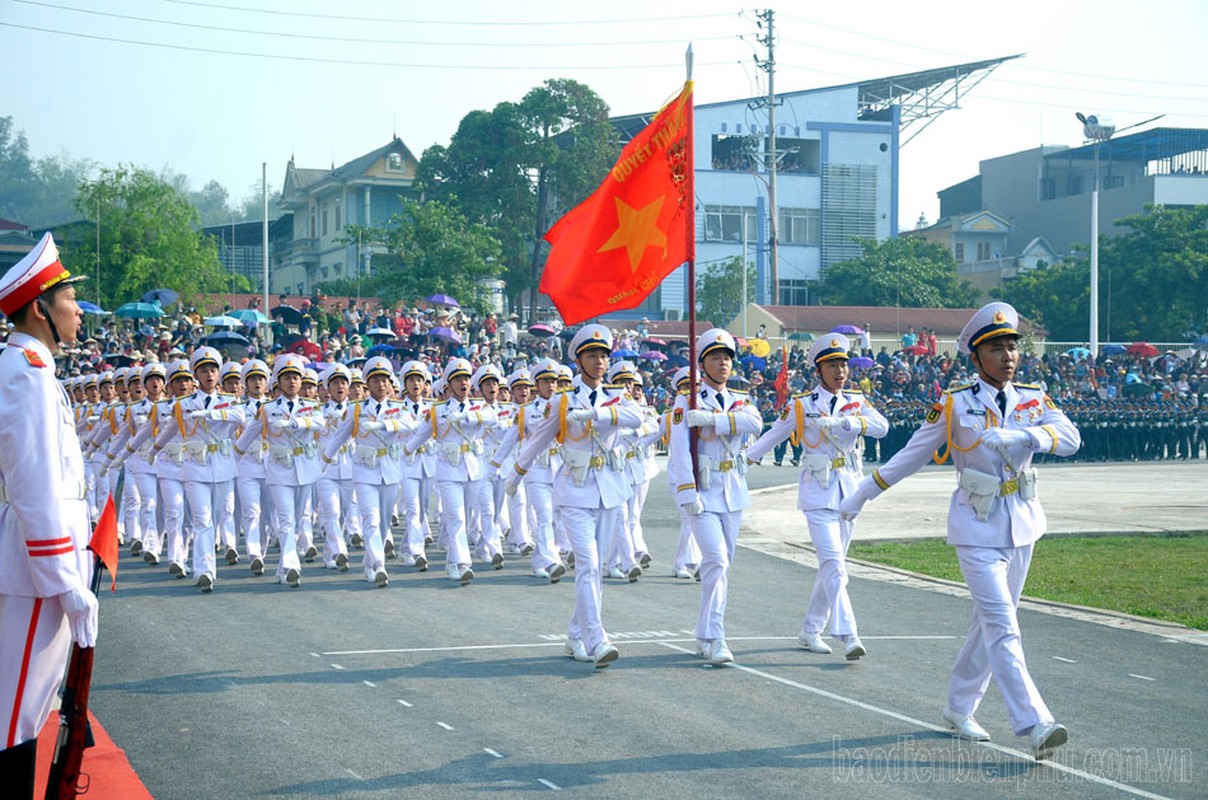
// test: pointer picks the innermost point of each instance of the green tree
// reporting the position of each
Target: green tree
(902, 271)
(719, 296)
(435, 250)
(37, 193)
(149, 238)
(1153, 282)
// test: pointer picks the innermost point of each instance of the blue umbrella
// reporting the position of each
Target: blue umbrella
(139, 311)
(754, 361)
(91, 308)
(380, 350)
(1202, 341)
(1114, 349)
(165, 297)
(624, 353)
(249, 316)
(1078, 353)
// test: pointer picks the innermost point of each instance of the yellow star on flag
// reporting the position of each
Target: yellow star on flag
(637, 229)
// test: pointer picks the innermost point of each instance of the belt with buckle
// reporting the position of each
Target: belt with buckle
(725, 466)
(211, 448)
(1007, 488)
(596, 462)
(629, 454)
(465, 447)
(381, 451)
(839, 462)
(297, 451)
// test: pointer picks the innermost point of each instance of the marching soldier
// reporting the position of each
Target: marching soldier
(621, 560)
(590, 489)
(488, 504)
(519, 539)
(991, 427)
(837, 419)
(715, 492)
(45, 602)
(686, 564)
(249, 469)
(334, 489)
(419, 469)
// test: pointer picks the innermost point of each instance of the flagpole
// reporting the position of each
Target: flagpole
(690, 250)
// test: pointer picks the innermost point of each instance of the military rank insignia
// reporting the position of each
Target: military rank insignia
(933, 413)
(33, 358)
(677, 417)
(1048, 403)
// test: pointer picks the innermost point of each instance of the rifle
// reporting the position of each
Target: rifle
(75, 732)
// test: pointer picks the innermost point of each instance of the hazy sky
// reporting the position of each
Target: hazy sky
(214, 88)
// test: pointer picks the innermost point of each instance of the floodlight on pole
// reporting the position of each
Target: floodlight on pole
(1098, 132)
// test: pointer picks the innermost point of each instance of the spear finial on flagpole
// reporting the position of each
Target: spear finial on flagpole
(688, 61)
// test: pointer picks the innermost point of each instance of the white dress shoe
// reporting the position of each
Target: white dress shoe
(452, 572)
(329, 563)
(341, 562)
(854, 650)
(311, 553)
(232, 556)
(634, 573)
(205, 583)
(813, 642)
(1045, 738)
(575, 649)
(965, 727)
(291, 579)
(497, 561)
(615, 572)
(421, 562)
(556, 572)
(715, 652)
(381, 578)
(465, 575)
(150, 558)
(257, 566)
(604, 654)
(683, 573)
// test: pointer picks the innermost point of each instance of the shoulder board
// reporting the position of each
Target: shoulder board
(684, 392)
(853, 391)
(564, 390)
(33, 358)
(741, 392)
(961, 388)
(436, 403)
(225, 394)
(800, 395)
(614, 386)
(1027, 386)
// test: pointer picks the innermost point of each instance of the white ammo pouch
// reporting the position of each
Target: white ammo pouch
(981, 489)
(579, 461)
(454, 452)
(367, 455)
(822, 467)
(284, 454)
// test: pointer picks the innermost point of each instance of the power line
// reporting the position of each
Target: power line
(458, 23)
(353, 39)
(319, 60)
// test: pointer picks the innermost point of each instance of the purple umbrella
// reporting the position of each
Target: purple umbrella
(443, 300)
(653, 355)
(445, 333)
(847, 329)
(861, 362)
(541, 329)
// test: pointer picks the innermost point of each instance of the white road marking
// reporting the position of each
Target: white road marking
(930, 726)
(370, 684)
(284, 722)
(491, 752)
(336, 666)
(550, 784)
(316, 655)
(1141, 677)
(445, 725)
(1066, 660)
(404, 703)
(353, 774)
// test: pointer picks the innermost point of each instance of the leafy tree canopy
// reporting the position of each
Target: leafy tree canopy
(903, 271)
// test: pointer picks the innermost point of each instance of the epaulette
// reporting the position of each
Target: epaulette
(615, 386)
(743, 392)
(961, 388)
(437, 403)
(800, 395)
(1027, 386)
(32, 357)
(853, 391)
(684, 391)
(225, 394)
(563, 390)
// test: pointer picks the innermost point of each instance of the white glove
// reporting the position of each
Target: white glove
(1002, 438)
(373, 425)
(102, 470)
(80, 606)
(854, 503)
(283, 424)
(140, 420)
(512, 484)
(695, 508)
(699, 418)
(835, 423)
(458, 417)
(581, 415)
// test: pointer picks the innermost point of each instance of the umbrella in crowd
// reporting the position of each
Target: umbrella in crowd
(1078, 353)
(229, 342)
(1202, 341)
(446, 333)
(760, 347)
(249, 316)
(568, 333)
(847, 329)
(385, 350)
(624, 353)
(305, 348)
(1143, 349)
(164, 297)
(861, 362)
(801, 336)
(915, 350)
(223, 321)
(379, 333)
(653, 355)
(651, 341)
(139, 311)
(286, 314)
(443, 300)
(91, 308)
(754, 361)
(541, 330)
(737, 381)
(1114, 349)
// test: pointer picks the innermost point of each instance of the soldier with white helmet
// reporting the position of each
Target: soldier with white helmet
(254, 520)
(991, 428)
(621, 561)
(455, 427)
(590, 489)
(230, 379)
(286, 427)
(484, 530)
(715, 492)
(830, 422)
(419, 468)
(140, 507)
(202, 426)
(334, 489)
(376, 427)
(686, 563)
(519, 537)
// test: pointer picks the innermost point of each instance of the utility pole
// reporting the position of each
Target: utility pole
(766, 22)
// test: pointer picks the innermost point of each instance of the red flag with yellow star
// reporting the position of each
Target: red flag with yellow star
(611, 251)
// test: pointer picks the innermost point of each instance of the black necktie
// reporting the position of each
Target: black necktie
(834, 397)
(208, 399)
(416, 405)
(1001, 397)
(289, 404)
(591, 398)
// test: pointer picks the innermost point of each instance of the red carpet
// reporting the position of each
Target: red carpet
(106, 774)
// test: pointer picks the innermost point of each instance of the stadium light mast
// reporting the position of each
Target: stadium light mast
(1097, 132)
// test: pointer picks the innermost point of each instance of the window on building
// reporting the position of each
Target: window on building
(983, 251)
(800, 226)
(313, 223)
(324, 220)
(800, 155)
(735, 153)
(337, 268)
(1075, 184)
(323, 272)
(394, 162)
(725, 223)
(960, 253)
(1113, 181)
(794, 293)
(338, 209)
(1048, 189)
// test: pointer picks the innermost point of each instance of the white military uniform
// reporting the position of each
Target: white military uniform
(249, 478)
(141, 473)
(590, 488)
(419, 472)
(832, 465)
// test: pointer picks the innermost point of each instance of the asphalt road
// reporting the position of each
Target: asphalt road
(428, 690)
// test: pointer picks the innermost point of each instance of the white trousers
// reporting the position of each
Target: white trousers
(332, 496)
(456, 497)
(687, 552)
(540, 498)
(415, 493)
(251, 519)
(590, 531)
(376, 501)
(831, 537)
(147, 487)
(487, 542)
(519, 532)
(34, 643)
(634, 506)
(995, 577)
(718, 536)
(210, 505)
(290, 504)
(172, 501)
